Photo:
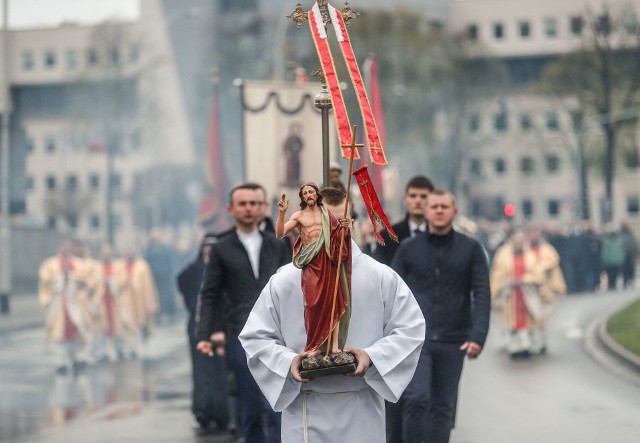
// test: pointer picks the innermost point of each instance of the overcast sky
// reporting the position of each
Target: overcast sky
(45, 13)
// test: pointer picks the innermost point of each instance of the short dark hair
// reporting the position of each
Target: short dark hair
(420, 182)
(250, 186)
(257, 186)
(332, 196)
(303, 204)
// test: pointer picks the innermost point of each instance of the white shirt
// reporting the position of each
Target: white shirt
(252, 242)
(413, 226)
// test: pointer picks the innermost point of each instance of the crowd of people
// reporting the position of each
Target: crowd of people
(96, 309)
(437, 286)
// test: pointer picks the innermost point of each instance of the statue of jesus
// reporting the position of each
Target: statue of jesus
(317, 253)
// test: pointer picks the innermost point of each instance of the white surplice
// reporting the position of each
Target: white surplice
(386, 322)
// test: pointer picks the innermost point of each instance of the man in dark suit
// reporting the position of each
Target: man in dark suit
(239, 267)
(415, 198)
(264, 222)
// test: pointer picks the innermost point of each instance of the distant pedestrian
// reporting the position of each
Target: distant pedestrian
(63, 286)
(161, 261)
(448, 274)
(209, 394)
(139, 300)
(630, 255)
(415, 198)
(519, 289)
(613, 255)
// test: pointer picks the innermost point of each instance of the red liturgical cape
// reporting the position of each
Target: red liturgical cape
(319, 264)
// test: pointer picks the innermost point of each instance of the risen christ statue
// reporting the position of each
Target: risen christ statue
(317, 253)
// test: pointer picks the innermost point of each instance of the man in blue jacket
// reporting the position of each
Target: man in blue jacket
(448, 274)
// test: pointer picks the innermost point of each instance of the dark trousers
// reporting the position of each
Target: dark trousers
(427, 407)
(253, 404)
(210, 401)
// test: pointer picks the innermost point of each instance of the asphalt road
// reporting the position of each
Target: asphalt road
(564, 396)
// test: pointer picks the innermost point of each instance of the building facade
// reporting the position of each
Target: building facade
(523, 146)
(96, 110)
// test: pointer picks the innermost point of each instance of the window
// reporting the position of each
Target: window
(553, 163)
(472, 32)
(94, 221)
(498, 31)
(550, 27)
(29, 183)
(475, 168)
(603, 25)
(576, 24)
(633, 205)
(552, 121)
(527, 208)
(28, 61)
(474, 123)
(527, 165)
(630, 23)
(553, 207)
(114, 56)
(49, 60)
(50, 145)
(525, 122)
(72, 221)
(29, 145)
(92, 58)
(71, 57)
(116, 221)
(94, 182)
(500, 122)
(134, 53)
(72, 183)
(500, 166)
(115, 182)
(51, 222)
(524, 29)
(50, 183)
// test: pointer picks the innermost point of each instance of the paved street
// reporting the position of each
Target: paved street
(564, 396)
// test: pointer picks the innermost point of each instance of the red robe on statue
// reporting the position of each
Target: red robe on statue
(318, 283)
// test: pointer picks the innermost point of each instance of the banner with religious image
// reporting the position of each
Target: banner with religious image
(283, 135)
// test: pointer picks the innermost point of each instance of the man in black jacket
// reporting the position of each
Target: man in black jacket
(415, 198)
(448, 274)
(239, 267)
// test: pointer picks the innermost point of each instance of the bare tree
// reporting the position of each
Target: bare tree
(602, 76)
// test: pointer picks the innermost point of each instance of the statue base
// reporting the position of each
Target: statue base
(335, 364)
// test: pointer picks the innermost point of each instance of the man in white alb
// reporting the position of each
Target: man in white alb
(386, 333)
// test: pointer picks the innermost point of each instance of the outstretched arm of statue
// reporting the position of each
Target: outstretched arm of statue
(283, 228)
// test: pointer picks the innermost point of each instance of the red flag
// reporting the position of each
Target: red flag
(370, 68)
(371, 201)
(211, 203)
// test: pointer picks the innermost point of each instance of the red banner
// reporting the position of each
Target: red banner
(372, 203)
(328, 68)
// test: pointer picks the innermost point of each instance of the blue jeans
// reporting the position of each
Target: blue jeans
(253, 404)
(429, 402)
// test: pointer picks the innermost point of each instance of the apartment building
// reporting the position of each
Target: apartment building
(522, 145)
(96, 109)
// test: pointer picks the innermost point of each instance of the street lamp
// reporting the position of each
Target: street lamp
(5, 234)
